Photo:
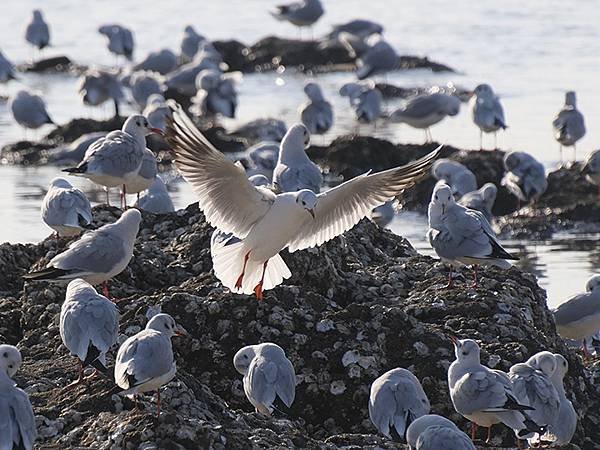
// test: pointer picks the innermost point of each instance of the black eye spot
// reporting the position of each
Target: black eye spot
(5, 354)
(436, 197)
(465, 353)
(10, 366)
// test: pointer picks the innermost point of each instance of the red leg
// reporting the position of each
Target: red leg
(157, 402)
(79, 380)
(258, 289)
(238, 283)
(475, 266)
(105, 289)
(450, 279)
(586, 354)
(489, 436)
(473, 431)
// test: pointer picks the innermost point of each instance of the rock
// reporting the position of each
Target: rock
(330, 313)
(52, 64)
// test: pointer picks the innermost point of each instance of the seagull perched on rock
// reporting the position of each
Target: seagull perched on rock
(268, 374)
(89, 326)
(120, 40)
(266, 222)
(365, 99)
(488, 113)
(426, 110)
(143, 85)
(161, 61)
(485, 396)
(303, 13)
(216, 94)
(396, 400)
(569, 125)
(37, 32)
(156, 199)
(98, 86)
(525, 177)
(460, 179)
(379, 57)
(316, 114)
(145, 360)
(29, 110)
(462, 236)
(190, 43)
(66, 209)
(17, 421)
(97, 256)
(116, 159)
(481, 200)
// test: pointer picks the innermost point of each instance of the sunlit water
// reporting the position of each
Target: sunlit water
(530, 52)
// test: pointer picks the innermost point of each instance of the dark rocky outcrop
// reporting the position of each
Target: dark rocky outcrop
(354, 308)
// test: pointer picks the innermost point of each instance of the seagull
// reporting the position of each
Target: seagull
(145, 176)
(591, 168)
(190, 43)
(156, 199)
(215, 94)
(352, 36)
(98, 86)
(481, 200)
(365, 99)
(379, 57)
(579, 317)
(426, 110)
(145, 360)
(525, 177)
(358, 27)
(396, 400)
(66, 209)
(120, 40)
(97, 256)
(569, 125)
(462, 236)
(7, 69)
(10, 360)
(117, 159)
(563, 427)
(17, 421)
(161, 61)
(317, 113)
(303, 13)
(487, 111)
(420, 424)
(262, 158)
(89, 326)
(37, 32)
(294, 170)
(143, 85)
(268, 374)
(484, 396)
(532, 386)
(460, 179)
(444, 438)
(157, 111)
(183, 79)
(267, 222)
(29, 110)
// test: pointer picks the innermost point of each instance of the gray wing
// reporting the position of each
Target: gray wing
(379, 57)
(444, 438)
(464, 182)
(368, 107)
(470, 235)
(482, 390)
(578, 307)
(271, 374)
(116, 155)
(424, 106)
(149, 167)
(66, 207)
(17, 421)
(318, 117)
(142, 357)
(95, 252)
(531, 387)
(292, 179)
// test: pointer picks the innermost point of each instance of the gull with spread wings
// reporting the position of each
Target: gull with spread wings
(266, 222)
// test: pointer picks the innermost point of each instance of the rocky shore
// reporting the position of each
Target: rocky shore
(354, 308)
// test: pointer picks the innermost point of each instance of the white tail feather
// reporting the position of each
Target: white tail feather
(228, 263)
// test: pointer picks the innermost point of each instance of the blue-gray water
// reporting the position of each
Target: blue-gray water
(530, 52)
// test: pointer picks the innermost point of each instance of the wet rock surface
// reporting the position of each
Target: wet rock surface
(354, 308)
(54, 64)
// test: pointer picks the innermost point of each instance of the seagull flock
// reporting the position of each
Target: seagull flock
(279, 201)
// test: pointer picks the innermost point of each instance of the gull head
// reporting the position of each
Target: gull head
(562, 366)
(81, 288)
(483, 90)
(571, 99)
(512, 160)
(351, 90)
(307, 199)
(297, 135)
(442, 197)
(543, 361)
(243, 358)
(164, 323)
(466, 350)
(60, 183)
(37, 14)
(138, 126)
(10, 359)
(593, 283)
(313, 91)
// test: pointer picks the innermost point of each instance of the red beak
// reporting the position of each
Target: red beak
(157, 131)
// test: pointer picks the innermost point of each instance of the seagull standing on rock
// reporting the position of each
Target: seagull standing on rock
(303, 13)
(379, 57)
(569, 125)
(481, 200)
(156, 199)
(488, 113)
(525, 177)
(37, 32)
(460, 179)
(268, 374)
(266, 222)
(98, 86)
(462, 236)
(98, 256)
(190, 44)
(66, 209)
(120, 40)
(317, 113)
(116, 159)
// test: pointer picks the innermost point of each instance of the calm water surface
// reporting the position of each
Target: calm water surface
(527, 51)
